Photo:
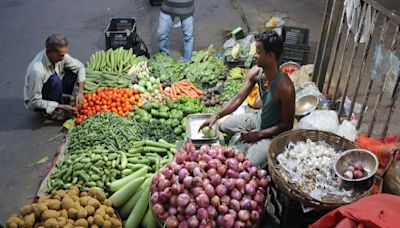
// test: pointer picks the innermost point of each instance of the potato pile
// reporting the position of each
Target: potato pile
(68, 209)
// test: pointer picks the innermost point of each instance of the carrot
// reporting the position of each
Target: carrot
(196, 89)
(160, 88)
(173, 90)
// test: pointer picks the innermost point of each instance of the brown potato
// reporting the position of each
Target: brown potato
(94, 226)
(81, 222)
(64, 213)
(12, 225)
(107, 224)
(92, 192)
(84, 200)
(62, 221)
(26, 210)
(72, 212)
(90, 220)
(94, 203)
(50, 214)
(55, 195)
(82, 213)
(29, 220)
(73, 191)
(107, 202)
(101, 196)
(14, 219)
(67, 203)
(115, 222)
(109, 211)
(61, 193)
(84, 194)
(90, 210)
(98, 220)
(54, 204)
(75, 198)
(50, 223)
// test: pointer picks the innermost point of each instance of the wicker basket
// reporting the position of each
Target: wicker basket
(278, 146)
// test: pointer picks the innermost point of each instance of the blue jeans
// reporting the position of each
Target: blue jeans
(54, 87)
(165, 25)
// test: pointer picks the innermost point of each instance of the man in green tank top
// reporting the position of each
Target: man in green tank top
(278, 102)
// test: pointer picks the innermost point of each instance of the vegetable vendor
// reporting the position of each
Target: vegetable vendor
(278, 102)
(51, 78)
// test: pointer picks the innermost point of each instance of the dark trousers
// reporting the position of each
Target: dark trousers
(54, 88)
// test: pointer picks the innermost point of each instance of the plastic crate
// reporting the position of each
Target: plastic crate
(120, 32)
(155, 2)
(295, 46)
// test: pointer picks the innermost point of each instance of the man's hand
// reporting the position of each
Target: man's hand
(210, 122)
(79, 99)
(249, 136)
(66, 107)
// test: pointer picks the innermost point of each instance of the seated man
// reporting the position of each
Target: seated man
(278, 102)
(51, 78)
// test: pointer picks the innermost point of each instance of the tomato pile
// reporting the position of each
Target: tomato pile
(289, 70)
(114, 100)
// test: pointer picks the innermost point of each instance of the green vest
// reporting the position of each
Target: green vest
(178, 8)
(271, 113)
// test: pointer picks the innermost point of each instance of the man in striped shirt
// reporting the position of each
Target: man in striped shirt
(183, 9)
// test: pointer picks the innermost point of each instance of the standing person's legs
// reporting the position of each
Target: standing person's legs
(53, 89)
(165, 25)
(188, 37)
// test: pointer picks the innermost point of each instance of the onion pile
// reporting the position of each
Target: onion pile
(210, 187)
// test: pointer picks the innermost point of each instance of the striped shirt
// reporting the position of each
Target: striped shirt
(178, 8)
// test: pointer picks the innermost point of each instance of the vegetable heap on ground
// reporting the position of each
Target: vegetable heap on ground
(110, 69)
(68, 209)
(215, 187)
(114, 100)
(166, 68)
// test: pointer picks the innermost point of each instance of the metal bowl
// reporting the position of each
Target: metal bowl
(305, 104)
(368, 159)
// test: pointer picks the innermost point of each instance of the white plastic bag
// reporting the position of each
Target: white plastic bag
(323, 120)
(347, 130)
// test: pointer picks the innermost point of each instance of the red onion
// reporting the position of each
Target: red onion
(193, 156)
(172, 200)
(250, 189)
(233, 213)
(158, 209)
(213, 153)
(221, 157)
(196, 191)
(203, 164)
(259, 197)
(215, 180)
(239, 157)
(209, 189)
(212, 212)
(168, 192)
(180, 157)
(229, 183)
(182, 174)
(171, 222)
(221, 190)
(253, 204)
(182, 200)
(241, 168)
(263, 182)
(245, 204)
(212, 164)
(181, 211)
(176, 168)
(232, 173)
(168, 174)
(215, 201)
(189, 147)
(211, 172)
(191, 209)
(219, 219)
(164, 215)
(239, 224)
(183, 224)
(193, 221)
(187, 182)
(197, 172)
(245, 175)
(197, 181)
(205, 225)
(255, 216)
(162, 197)
(172, 211)
(206, 181)
(204, 149)
(228, 221)
(191, 165)
(235, 205)
(240, 183)
(154, 198)
(222, 169)
(249, 224)
(176, 188)
(154, 188)
(236, 194)
(262, 173)
(226, 200)
(202, 200)
(244, 215)
(206, 157)
(230, 152)
(202, 213)
(253, 171)
(247, 164)
(232, 164)
(163, 183)
(223, 209)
